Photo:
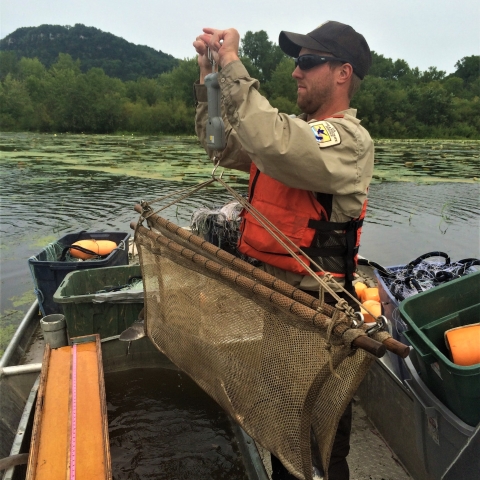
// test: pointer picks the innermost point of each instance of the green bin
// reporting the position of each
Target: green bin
(87, 312)
(429, 315)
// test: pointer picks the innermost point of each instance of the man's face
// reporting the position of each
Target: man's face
(315, 87)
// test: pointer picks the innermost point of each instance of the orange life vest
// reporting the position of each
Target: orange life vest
(302, 218)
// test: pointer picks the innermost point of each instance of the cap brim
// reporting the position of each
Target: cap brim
(291, 43)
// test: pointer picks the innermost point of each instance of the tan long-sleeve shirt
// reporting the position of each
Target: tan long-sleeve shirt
(332, 155)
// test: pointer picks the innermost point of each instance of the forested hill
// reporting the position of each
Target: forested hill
(59, 91)
(93, 47)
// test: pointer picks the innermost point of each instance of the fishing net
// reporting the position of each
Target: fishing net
(274, 359)
(53, 252)
(221, 226)
(425, 272)
(59, 252)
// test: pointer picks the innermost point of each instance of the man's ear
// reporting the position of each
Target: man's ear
(345, 72)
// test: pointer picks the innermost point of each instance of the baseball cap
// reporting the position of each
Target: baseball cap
(331, 37)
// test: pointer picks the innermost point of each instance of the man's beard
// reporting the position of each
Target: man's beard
(314, 100)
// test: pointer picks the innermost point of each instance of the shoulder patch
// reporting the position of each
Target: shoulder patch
(325, 134)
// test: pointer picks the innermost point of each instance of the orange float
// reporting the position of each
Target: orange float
(375, 307)
(464, 344)
(359, 288)
(98, 247)
(370, 294)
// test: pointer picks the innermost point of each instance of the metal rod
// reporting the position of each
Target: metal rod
(17, 336)
(20, 369)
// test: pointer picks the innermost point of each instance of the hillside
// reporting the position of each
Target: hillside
(93, 47)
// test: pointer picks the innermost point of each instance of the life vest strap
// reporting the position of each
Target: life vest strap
(323, 226)
(349, 252)
(327, 251)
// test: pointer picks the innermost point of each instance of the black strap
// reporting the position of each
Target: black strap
(350, 250)
(326, 201)
(327, 251)
(79, 248)
(415, 262)
(252, 188)
(324, 226)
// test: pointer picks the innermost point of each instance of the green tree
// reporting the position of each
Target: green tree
(383, 107)
(106, 97)
(432, 74)
(282, 83)
(146, 89)
(387, 68)
(468, 68)
(16, 108)
(282, 88)
(394, 101)
(264, 54)
(432, 104)
(454, 86)
(30, 67)
(178, 84)
(8, 64)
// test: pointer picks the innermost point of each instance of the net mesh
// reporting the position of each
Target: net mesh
(280, 368)
(406, 281)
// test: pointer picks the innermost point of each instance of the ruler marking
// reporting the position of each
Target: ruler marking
(73, 437)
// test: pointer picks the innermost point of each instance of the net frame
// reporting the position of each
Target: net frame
(166, 247)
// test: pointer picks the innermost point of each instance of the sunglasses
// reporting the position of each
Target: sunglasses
(309, 60)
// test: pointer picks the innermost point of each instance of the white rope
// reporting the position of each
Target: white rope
(278, 235)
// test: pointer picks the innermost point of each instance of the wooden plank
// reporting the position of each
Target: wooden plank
(51, 441)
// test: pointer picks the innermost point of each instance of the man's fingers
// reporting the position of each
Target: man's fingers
(210, 41)
(210, 31)
(222, 43)
(213, 37)
(200, 46)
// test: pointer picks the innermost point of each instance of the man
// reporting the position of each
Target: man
(309, 175)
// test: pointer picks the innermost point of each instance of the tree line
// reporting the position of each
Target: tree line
(395, 101)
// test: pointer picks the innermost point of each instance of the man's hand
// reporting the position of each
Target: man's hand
(223, 43)
(203, 61)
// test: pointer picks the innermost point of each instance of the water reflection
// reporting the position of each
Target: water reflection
(163, 426)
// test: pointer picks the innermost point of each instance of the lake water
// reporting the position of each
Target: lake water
(424, 197)
(162, 426)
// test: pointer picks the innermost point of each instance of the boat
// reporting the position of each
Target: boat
(403, 435)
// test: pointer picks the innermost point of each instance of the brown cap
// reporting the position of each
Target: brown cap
(331, 37)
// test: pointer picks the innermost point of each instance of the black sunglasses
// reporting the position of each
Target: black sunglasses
(309, 60)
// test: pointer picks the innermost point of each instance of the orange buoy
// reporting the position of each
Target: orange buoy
(98, 247)
(464, 344)
(370, 294)
(375, 307)
(359, 288)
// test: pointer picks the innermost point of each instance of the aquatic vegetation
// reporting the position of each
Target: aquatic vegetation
(25, 299)
(182, 159)
(444, 218)
(427, 160)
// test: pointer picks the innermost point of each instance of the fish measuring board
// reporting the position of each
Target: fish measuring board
(70, 431)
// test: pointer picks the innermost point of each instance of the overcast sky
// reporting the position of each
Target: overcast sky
(423, 32)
